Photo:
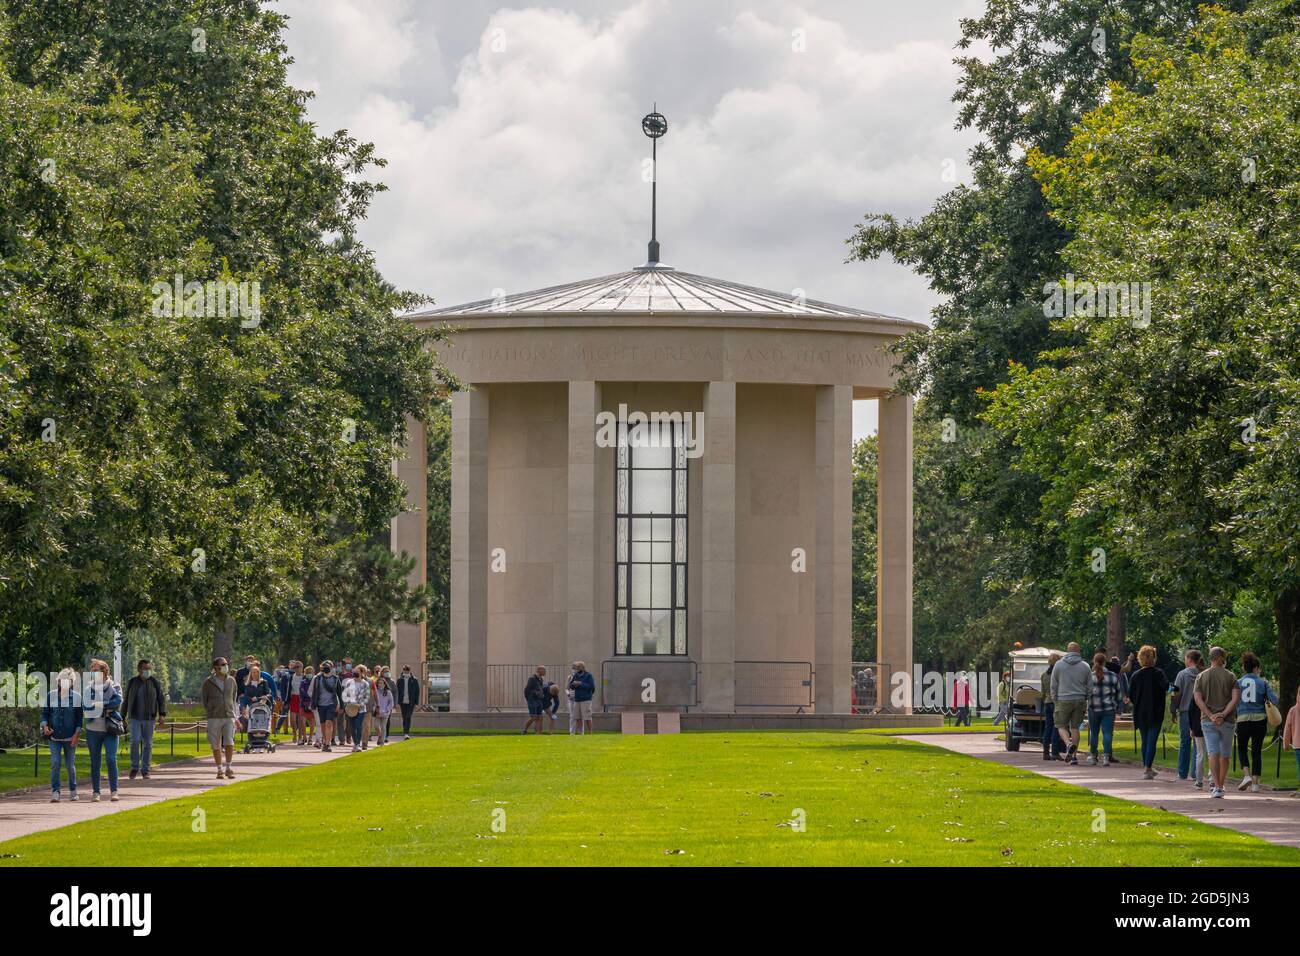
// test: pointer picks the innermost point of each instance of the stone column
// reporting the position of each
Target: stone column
(409, 535)
(715, 646)
(894, 549)
(583, 641)
(469, 549)
(833, 559)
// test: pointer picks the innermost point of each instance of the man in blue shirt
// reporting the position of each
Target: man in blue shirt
(583, 685)
(61, 722)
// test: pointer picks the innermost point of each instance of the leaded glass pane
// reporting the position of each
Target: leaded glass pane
(622, 491)
(681, 491)
(620, 577)
(621, 632)
(641, 585)
(622, 540)
(681, 585)
(679, 632)
(652, 492)
(679, 546)
(654, 457)
(661, 586)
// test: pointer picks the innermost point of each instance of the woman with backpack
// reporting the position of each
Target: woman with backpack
(325, 692)
(1148, 691)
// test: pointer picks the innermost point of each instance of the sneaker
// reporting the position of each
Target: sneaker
(1246, 781)
(408, 737)
(1148, 774)
(355, 748)
(230, 773)
(1254, 787)
(1200, 785)
(1092, 760)
(133, 773)
(94, 798)
(144, 774)
(1217, 793)
(1105, 760)
(112, 797)
(54, 797)
(73, 796)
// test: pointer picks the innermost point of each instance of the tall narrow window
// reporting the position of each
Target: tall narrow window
(650, 546)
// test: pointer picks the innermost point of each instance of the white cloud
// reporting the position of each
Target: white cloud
(515, 154)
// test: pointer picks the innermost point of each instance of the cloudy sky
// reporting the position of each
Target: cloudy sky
(512, 133)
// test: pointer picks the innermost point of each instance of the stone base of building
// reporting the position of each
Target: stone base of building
(693, 722)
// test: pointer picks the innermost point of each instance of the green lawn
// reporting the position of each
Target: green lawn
(704, 798)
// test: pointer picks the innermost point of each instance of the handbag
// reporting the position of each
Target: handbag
(114, 725)
(1272, 714)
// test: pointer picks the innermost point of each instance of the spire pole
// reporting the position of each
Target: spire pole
(654, 125)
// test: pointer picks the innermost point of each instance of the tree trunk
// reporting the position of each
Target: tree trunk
(223, 641)
(1116, 630)
(1286, 612)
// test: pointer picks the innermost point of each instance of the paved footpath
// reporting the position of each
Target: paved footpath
(1270, 815)
(31, 811)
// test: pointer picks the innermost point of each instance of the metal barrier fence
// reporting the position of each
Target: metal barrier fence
(505, 685)
(199, 727)
(774, 684)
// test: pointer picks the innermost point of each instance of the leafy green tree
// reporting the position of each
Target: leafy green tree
(865, 471)
(1176, 438)
(241, 444)
(987, 248)
(438, 529)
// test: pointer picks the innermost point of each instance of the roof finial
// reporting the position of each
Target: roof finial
(654, 125)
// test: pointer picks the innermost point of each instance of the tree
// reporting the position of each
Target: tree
(987, 248)
(1178, 437)
(245, 443)
(438, 531)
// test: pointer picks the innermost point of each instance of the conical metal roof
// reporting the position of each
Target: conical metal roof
(652, 289)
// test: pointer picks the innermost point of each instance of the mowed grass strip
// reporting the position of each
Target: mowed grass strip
(691, 799)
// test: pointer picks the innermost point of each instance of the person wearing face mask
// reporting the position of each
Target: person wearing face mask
(220, 706)
(102, 697)
(145, 708)
(326, 690)
(408, 695)
(61, 726)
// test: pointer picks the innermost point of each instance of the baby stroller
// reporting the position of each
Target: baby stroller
(258, 739)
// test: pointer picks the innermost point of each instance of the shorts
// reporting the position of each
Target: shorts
(582, 709)
(1218, 737)
(295, 705)
(534, 708)
(1069, 713)
(221, 732)
(326, 712)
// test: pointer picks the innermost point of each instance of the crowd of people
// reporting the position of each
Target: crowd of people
(1215, 709)
(543, 699)
(345, 705)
